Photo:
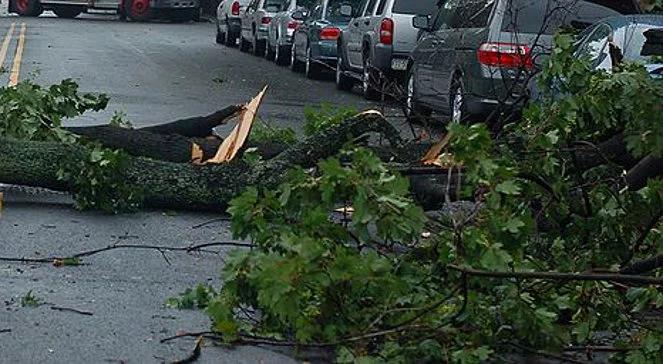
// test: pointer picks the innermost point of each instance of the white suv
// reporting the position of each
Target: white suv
(255, 24)
(229, 21)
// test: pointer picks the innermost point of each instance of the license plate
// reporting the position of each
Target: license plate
(399, 64)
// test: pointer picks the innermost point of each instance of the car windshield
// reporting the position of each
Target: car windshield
(548, 16)
(272, 6)
(334, 10)
(419, 7)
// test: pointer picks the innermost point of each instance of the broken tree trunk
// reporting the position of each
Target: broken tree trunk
(186, 186)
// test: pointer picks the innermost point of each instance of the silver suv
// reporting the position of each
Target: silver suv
(282, 28)
(229, 21)
(378, 41)
(255, 24)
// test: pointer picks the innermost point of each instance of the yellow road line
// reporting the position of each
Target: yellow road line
(5, 44)
(16, 69)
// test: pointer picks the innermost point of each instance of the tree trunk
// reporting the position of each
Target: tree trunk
(181, 185)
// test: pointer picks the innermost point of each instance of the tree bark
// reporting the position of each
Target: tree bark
(186, 186)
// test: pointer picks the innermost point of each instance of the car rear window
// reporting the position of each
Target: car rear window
(272, 6)
(548, 16)
(415, 7)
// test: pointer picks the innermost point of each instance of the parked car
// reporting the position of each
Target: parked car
(315, 41)
(281, 29)
(378, 42)
(255, 24)
(476, 56)
(229, 21)
(636, 38)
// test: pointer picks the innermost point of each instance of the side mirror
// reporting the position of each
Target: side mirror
(299, 15)
(421, 22)
(346, 11)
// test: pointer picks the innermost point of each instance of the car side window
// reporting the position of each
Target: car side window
(370, 8)
(594, 47)
(472, 14)
(445, 15)
(381, 7)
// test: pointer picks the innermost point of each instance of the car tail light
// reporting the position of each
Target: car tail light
(293, 25)
(507, 55)
(266, 20)
(387, 31)
(235, 8)
(330, 33)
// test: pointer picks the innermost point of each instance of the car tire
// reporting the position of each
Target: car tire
(258, 47)
(67, 12)
(371, 92)
(457, 105)
(269, 52)
(230, 39)
(220, 36)
(244, 46)
(413, 110)
(27, 7)
(295, 64)
(138, 10)
(312, 68)
(281, 55)
(343, 81)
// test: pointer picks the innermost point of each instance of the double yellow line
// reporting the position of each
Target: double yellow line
(16, 66)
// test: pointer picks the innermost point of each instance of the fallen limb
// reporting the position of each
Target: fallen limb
(195, 354)
(648, 167)
(614, 277)
(643, 266)
(74, 259)
(184, 186)
(67, 309)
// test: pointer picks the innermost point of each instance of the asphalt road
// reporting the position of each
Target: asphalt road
(155, 73)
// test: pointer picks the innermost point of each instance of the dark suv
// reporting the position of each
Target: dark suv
(474, 57)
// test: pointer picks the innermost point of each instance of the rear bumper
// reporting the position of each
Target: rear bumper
(174, 4)
(325, 51)
(486, 95)
(388, 61)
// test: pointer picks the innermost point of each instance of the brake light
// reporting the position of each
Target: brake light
(266, 20)
(235, 8)
(387, 31)
(507, 55)
(293, 25)
(330, 33)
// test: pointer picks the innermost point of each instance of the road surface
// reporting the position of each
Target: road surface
(154, 73)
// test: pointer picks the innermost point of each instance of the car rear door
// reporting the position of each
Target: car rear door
(356, 30)
(402, 12)
(247, 19)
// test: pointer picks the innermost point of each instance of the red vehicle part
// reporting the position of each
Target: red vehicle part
(138, 10)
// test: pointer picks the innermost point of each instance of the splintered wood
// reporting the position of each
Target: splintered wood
(235, 141)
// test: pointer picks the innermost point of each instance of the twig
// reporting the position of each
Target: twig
(67, 309)
(643, 236)
(560, 276)
(161, 249)
(210, 222)
(5, 331)
(195, 355)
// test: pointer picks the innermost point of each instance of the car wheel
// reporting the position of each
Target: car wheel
(413, 111)
(138, 10)
(220, 36)
(27, 7)
(457, 106)
(243, 44)
(312, 67)
(368, 79)
(343, 82)
(269, 52)
(258, 48)
(280, 55)
(295, 65)
(230, 39)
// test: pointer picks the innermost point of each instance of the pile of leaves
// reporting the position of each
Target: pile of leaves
(383, 282)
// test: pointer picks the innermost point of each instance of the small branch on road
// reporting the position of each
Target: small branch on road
(73, 260)
(195, 355)
(621, 278)
(210, 222)
(5, 331)
(67, 309)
